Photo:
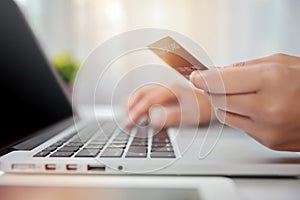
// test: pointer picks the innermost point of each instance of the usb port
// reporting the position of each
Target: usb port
(96, 167)
(23, 166)
(71, 167)
(50, 167)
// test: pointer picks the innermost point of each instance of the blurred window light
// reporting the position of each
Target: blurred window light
(22, 2)
(229, 30)
(114, 10)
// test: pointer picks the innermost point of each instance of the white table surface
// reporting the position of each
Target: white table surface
(248, 188)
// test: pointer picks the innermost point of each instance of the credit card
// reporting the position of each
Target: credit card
(172, 53)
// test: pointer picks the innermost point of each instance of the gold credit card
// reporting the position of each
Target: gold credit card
(172, 53)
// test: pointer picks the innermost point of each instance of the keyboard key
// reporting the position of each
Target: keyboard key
(67, 137)
(160, 145)
(50, 148)
(101, 137)
(112, 152)
(122, 136)
(74, 144)
(94, 146)
(88, 153)
(136, 155)
(118, 142)
(58, 143)
(82, 140)
(98, 142)
(42, 154)
(163, 149)
(162, 155)
(139, 144)
(140, 140)
(117, 146)
(68, 149)
(62, 154)
(137, 149)
(124, 139)
(164, 140)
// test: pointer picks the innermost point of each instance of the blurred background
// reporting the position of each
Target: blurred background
(229, 30)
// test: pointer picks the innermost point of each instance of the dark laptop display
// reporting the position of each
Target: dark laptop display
(31, 94)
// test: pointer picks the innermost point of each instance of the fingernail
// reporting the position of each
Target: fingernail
(195, 74)
(157, 116)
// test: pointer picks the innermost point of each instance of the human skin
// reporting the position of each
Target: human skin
(175, 110)
(262, 98)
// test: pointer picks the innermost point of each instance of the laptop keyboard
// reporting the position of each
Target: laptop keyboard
(111, 143)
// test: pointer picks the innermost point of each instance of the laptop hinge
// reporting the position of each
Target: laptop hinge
(44, 135)
(39, 137)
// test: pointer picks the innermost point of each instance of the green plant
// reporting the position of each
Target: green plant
(66, 66)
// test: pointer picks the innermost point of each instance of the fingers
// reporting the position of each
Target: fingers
(250, 62)
(144, 99)
(253, 129)
(228, 80)
(236, 121)
(136, 97)
(241, 104)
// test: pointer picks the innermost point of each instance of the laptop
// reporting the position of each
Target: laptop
(39, 134)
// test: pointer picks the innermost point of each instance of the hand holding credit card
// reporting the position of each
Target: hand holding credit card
(172, 53)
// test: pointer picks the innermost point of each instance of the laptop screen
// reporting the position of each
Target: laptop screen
(31, 94)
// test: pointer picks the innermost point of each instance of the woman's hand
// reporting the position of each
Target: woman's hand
(168, 107)
(262, 98)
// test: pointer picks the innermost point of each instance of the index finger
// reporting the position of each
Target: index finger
(142, 103)
(228, 80)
